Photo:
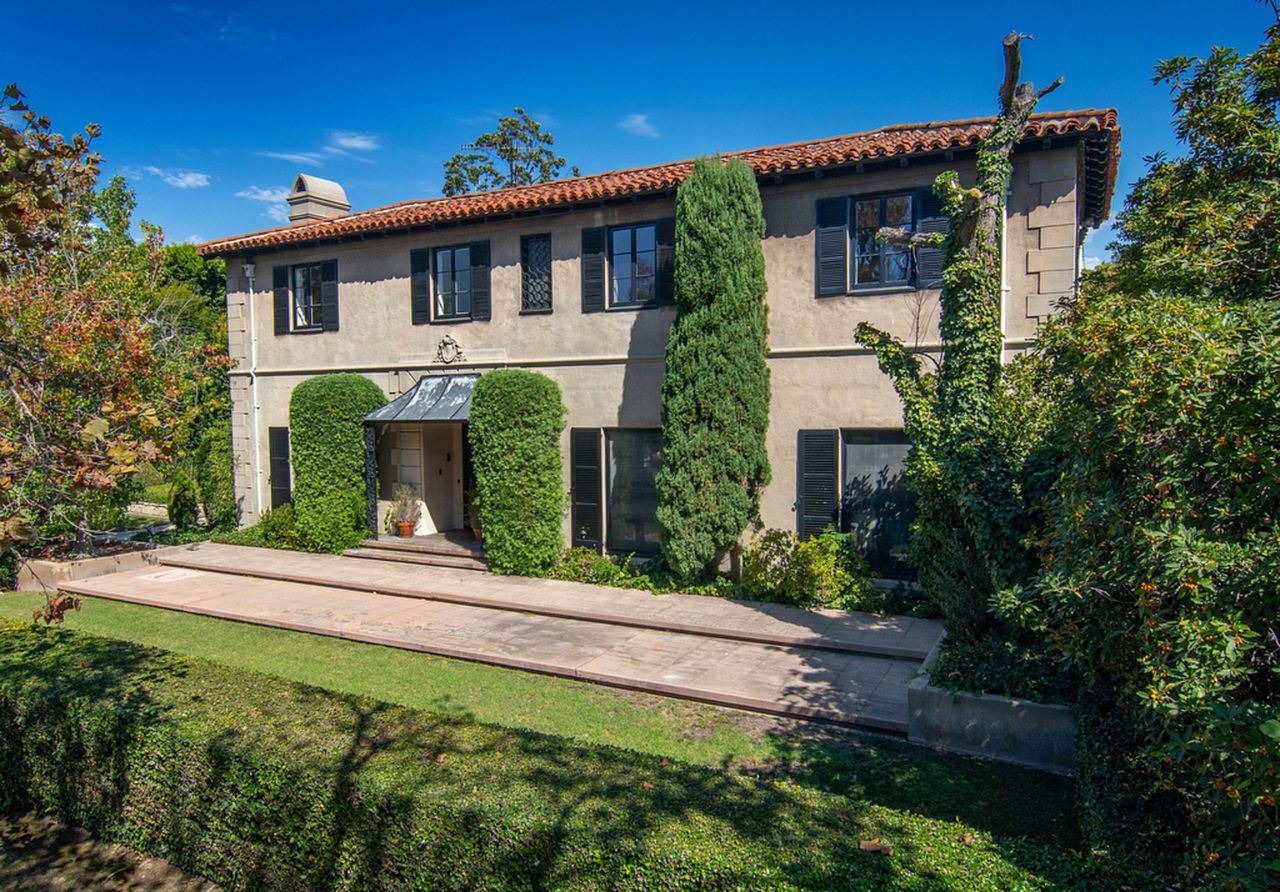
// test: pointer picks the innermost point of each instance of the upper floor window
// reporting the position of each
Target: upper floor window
(850, 258)
(535, 274)
(633, 264)
(305, 297)
(453, 282)
(307, 308)
(876, 263)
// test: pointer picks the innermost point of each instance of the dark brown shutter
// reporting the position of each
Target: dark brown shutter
(832, 240)
(666, 239)
(817, 481)
(280, 297)
(584, 494)
(480, 297)
(930, 261)
(278, 466)
(329, 295)
(420, 285)
(593, 267)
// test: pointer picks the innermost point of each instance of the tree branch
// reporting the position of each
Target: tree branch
(892, 235)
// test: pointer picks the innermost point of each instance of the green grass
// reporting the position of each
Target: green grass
(156, 493)
(271, 758)
(875, 768)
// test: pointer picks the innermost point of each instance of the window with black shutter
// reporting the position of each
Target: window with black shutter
(641, 262)
(877, 506)
(849, 256)
(278, 466)
(535, 274)
(305, 297)
(586, 488)
(817, 481)
(593, 268)
(460, 280)
(631, 497)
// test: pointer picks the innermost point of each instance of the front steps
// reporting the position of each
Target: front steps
(457, 551)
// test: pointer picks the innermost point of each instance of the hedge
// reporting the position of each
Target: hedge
(215, 474)
(514, 430)
(326, 437)
(254, 782)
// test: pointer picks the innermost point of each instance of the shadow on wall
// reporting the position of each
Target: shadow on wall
(641, 404)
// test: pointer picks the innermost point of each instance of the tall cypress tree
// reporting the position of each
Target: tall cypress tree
(715, 393)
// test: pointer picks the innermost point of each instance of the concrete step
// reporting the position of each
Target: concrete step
(436, 544)
(425, 559)
(771, 624)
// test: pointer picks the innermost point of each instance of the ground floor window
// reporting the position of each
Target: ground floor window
(877, 506)
(633, 457)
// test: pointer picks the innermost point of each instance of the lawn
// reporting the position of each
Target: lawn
(878, 769)
(270, 771)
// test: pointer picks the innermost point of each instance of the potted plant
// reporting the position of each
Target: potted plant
(472, 509)
(406, 511)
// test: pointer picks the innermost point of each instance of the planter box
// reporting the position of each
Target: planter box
(39, 575)
(1034, 735)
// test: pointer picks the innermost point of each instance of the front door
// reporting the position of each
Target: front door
(441, 469)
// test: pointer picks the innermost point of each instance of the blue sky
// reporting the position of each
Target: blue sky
(211, 109)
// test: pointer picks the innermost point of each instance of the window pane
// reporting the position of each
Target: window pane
(462, 279)
(622, 291)
(868, 214)
(866, 242)
(897, 211)
(462, 303)
(444, 260)
(645, 238)
(897, 266)
(461, 259)
(634, 457)
(878, 506)
(868, 269)
(646, 261)
(642, 291)
(622, 241)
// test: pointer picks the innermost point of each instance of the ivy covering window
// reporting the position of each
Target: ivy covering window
(633, 256)
(874, 263)
(307, 306)
(453, 282)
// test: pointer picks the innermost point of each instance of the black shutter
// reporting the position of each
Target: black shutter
(535, 274)
(930, 261)
(280, 295)
(584, 494)
(278, 448)
(666, 239)
(480, 299)
(832, 240)
(817, 483)
(329, 295)
(593, 248)
(420, 285)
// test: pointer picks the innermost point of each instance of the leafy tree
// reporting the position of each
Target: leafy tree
(715, 392)
(516, 154)
(93, 381)
(1161, 551)
(967, 539)
(206, 276)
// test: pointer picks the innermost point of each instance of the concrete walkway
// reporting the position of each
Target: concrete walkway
(520, 623)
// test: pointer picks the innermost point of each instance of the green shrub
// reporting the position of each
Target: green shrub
(619, 571)
(514, 430)
(258, 783)
(1025, 667)
(182, 502)
(215, 473)
(326, 437)
(822, 571)
(715, 388)
(277, 529)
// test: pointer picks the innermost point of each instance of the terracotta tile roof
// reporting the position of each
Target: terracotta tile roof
(887, 142)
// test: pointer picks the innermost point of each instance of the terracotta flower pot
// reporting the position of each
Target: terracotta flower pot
(475, 532)
(404, 529)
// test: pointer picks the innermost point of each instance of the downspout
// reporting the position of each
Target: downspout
(1004, 273)
(253, 393)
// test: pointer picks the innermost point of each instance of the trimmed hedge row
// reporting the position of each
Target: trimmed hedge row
(515, 424)
(254, 782)
(326, 437)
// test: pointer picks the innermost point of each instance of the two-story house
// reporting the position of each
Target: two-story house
(572, 278)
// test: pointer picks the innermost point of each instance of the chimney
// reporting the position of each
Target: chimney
(315, 199)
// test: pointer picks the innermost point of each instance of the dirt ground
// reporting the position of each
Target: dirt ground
(40, 855)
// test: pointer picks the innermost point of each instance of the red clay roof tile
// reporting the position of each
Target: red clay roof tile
(901, 139)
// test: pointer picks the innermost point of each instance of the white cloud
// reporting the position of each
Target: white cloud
(356, 142)
(1091, 262)
(313, 158)
(274, 199)
(179, 179)
(638, 125)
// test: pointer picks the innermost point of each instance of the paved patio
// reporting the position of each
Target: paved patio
(603, 635)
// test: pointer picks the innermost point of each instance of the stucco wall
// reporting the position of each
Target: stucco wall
(609, 365)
